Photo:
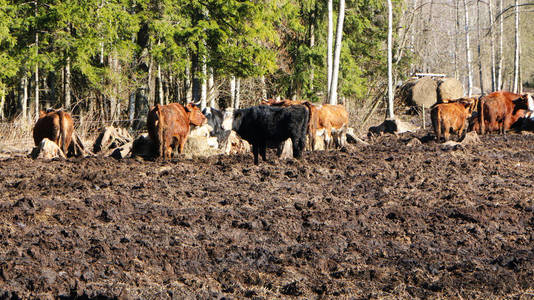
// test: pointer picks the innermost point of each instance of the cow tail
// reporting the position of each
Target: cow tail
(159, 129)
(438, 123)
(481, 116)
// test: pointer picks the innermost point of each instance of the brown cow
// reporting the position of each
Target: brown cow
(168, 126)
(500, 110)
(55, 125)
(450, 117)
(312, 122)
(332, 121)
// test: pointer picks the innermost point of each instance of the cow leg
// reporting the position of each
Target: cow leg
(298, 146)
(255, 151)
(182, 144)
(263, 151)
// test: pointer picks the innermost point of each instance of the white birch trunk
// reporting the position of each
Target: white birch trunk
(212, 93)
(160, 87)
(329, 58)
(456, 41)
(468, 52)
(24, 98)
(2, 101)
(479, 42)
(67, 90)
(390, 61)
(337, 53)
(188, 85)
(232, 92)
(204, 85)
(492, 42)
(500, 62)
(515, 88)
(263, 87)
(237, 93)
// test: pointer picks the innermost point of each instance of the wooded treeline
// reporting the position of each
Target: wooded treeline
(115, 58)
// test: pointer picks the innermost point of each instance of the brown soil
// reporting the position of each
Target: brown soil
(382, 221)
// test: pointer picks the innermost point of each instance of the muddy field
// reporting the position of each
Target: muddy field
(381, 221)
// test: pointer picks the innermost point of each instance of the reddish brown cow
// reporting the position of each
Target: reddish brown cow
(450, 117)
(312, 122)
(500, 110)
(55, 125)
(168, 126)
(332, 120)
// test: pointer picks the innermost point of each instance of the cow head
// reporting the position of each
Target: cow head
(196, 117)
(237, 118)
(523, 102)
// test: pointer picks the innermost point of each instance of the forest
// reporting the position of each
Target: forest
(112, 59)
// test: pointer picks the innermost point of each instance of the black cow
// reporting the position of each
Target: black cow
(215, 119)
(267, 126)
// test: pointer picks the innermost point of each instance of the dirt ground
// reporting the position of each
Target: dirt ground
(387, 220)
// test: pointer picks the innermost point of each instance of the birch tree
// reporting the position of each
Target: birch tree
(329, 59)
(479, 42)
(515, 88)
(501, 55)
(468, 51)
(337, 53)
(390, 61)
(492, 43)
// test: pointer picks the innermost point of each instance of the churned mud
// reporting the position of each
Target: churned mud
(381, 221)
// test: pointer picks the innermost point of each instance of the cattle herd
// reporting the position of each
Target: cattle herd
(271, 123)
(264, 126)
(495, 112)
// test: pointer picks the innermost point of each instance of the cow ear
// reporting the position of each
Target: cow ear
(41, 113)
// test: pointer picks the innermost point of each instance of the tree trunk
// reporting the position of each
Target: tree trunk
(112, 96)
(204, 85)
(24, 97)
(492, 42)
(67, 90)
(2, 101)
(337, 52)
(263, 87)
(479, 42)
(312, 44)
(151, 100)
(456, 41)
(159, 82)
(212, 93)
(232, 92)
(515, 88)
(329, 59)
(131, 107)
(237, 93)
(500, 62)
(468, 51)
(188, 85)
(36, 77)
(390, 61)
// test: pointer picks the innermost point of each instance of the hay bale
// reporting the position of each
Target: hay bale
(450, 88)
(418, 92)
(198, 146)
(47, 150)
(424, 92)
